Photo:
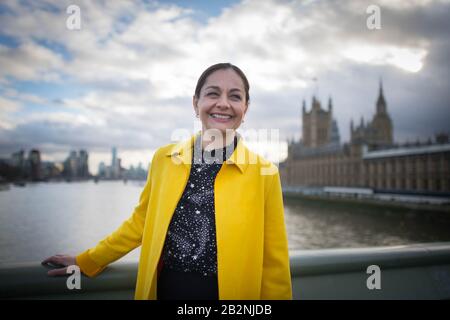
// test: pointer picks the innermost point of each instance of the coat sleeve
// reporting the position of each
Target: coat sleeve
(276, 277)
(126, 238)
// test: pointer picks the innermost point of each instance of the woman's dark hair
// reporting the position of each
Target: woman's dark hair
(222, 66)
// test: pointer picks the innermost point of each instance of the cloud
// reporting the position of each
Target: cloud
(405, 58)
(7, 107)
(29, 62)
(140, 62)
(24, 97)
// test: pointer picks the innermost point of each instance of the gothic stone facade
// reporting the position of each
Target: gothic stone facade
(369, 160)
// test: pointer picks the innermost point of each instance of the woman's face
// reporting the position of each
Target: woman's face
(222, 102)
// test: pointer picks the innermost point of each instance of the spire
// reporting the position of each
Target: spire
(381, 86)
(381, 102)
(330, 104)
(316, 86)
(315, 103)
(304, 106)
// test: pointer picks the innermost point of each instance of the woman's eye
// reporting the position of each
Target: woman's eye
(237, 97)
(212, 94)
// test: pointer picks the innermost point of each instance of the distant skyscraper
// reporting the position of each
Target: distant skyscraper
(76, 165)
(73, 164)
(18, 159)
(117, 171)
(102, 169)
(83, 167)
(115, 165)
(35, 164)
(114, 157)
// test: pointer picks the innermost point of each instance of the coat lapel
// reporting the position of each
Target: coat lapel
(175, 176)
(175, 179)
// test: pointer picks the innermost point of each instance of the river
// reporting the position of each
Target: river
(42, 219)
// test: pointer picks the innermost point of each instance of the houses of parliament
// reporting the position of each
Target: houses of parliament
(371, 159)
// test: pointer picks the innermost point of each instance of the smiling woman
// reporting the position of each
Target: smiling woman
(210, 221)
(221, 100)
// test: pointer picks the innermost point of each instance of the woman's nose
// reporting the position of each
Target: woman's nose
(223, 101)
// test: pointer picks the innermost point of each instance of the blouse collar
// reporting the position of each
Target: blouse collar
(181, 152)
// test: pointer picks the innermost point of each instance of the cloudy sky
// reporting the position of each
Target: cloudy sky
(127, 76)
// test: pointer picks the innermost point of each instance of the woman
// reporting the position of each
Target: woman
(210, 218)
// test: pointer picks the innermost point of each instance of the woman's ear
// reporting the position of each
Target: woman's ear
(194, 104)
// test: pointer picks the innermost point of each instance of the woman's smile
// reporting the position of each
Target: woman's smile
(221, 103)
(221, 117)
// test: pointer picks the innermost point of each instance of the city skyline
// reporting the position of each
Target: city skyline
(72, 156)
(129, 73)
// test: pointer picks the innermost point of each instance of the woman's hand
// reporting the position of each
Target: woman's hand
(60, 261)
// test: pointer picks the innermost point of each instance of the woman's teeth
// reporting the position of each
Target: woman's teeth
(220, 116)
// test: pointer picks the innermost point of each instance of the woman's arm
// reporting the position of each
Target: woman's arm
(127, 237)
(276, 278)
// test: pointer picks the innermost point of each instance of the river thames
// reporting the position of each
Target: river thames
(42, 219)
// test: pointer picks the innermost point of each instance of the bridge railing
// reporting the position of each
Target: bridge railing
(406, 272)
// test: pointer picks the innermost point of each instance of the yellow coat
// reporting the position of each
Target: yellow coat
(252, 249)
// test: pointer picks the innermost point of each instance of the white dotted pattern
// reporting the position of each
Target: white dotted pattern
(191, 239)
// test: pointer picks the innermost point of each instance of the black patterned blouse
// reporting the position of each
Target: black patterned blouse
(190, 244)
